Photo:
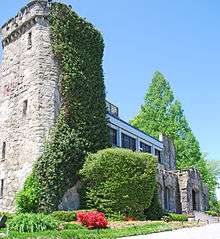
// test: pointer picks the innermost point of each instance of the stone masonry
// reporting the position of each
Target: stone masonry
(179, 191)
(29, 95)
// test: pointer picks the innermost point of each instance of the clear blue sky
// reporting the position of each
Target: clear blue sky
(179, 38)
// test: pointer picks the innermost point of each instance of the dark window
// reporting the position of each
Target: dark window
(158, 154)
(25, 105)
(1, 188)
(145, 148)
(128, 142)
(3, 150)
(167, 203)
(29, 40)
(113, 137)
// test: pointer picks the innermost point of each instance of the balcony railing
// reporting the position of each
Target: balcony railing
(112, 109)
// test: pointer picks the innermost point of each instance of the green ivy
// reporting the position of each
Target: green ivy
(82, 124)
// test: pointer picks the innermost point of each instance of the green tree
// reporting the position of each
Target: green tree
(162, 113)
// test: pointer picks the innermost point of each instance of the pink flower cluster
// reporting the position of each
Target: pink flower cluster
(92, 219)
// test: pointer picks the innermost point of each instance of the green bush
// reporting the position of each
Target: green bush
(212, 213)
(28, 199)
(25, 222)
(177, 217)
(119, 181)
(65, 216)
(155, 211)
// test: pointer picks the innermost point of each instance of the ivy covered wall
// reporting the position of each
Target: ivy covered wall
(82, 125)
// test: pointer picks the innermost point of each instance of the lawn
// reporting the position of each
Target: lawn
(117, 230)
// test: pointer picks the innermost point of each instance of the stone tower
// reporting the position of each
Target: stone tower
(29, 95)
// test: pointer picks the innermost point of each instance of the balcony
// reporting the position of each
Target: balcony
(112, 109)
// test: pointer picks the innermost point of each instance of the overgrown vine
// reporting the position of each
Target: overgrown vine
(82, 125)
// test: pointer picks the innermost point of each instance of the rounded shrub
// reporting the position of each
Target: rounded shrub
(119, 181)
(25, 222)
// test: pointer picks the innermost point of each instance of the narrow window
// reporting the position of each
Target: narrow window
(3, 150)
(113, 137)
(1, 188)
(25, 105)
(29, 40)
(158, 154)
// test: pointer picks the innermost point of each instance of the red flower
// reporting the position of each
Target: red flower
(92, 219)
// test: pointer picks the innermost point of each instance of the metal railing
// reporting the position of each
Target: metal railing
(112, 109)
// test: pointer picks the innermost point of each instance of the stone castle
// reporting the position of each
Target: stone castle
(29, 106)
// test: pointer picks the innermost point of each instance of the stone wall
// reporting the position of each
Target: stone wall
(168, 153)
(168, 183)
(29, 95)
(193, 193)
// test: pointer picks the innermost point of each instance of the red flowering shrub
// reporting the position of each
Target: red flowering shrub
(92, 219)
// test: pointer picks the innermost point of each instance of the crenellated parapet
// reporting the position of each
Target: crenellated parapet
(36, 11)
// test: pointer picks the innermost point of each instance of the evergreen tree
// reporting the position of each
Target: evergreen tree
(162, 113)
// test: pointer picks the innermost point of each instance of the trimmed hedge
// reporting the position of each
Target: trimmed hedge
(82, 124)
(119, 181)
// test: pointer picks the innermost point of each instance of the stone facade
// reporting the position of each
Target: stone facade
(179, 191)
(29, 95)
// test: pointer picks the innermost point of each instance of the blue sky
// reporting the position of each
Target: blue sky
(179, 38)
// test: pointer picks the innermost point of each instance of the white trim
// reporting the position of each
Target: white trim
(134, 133)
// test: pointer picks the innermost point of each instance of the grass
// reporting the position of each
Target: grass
(83, 233)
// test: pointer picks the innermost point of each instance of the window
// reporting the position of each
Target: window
(158, 154)
(145, 148)
(25, 105)
(29, 40)
(167, 198)
(113, 137)
(1, 188)
(3, 150)
(128, 142)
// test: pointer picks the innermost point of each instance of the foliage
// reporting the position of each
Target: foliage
(92, 219)
(82, 125)
(28, 199)
(155, 211)
(72, 226)
(214, 167)
(119, 181)
(65, 216)
(162, 113)
(25, 222)
(84, 233)
(177, 217)
(212, 213)
(8, 215)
